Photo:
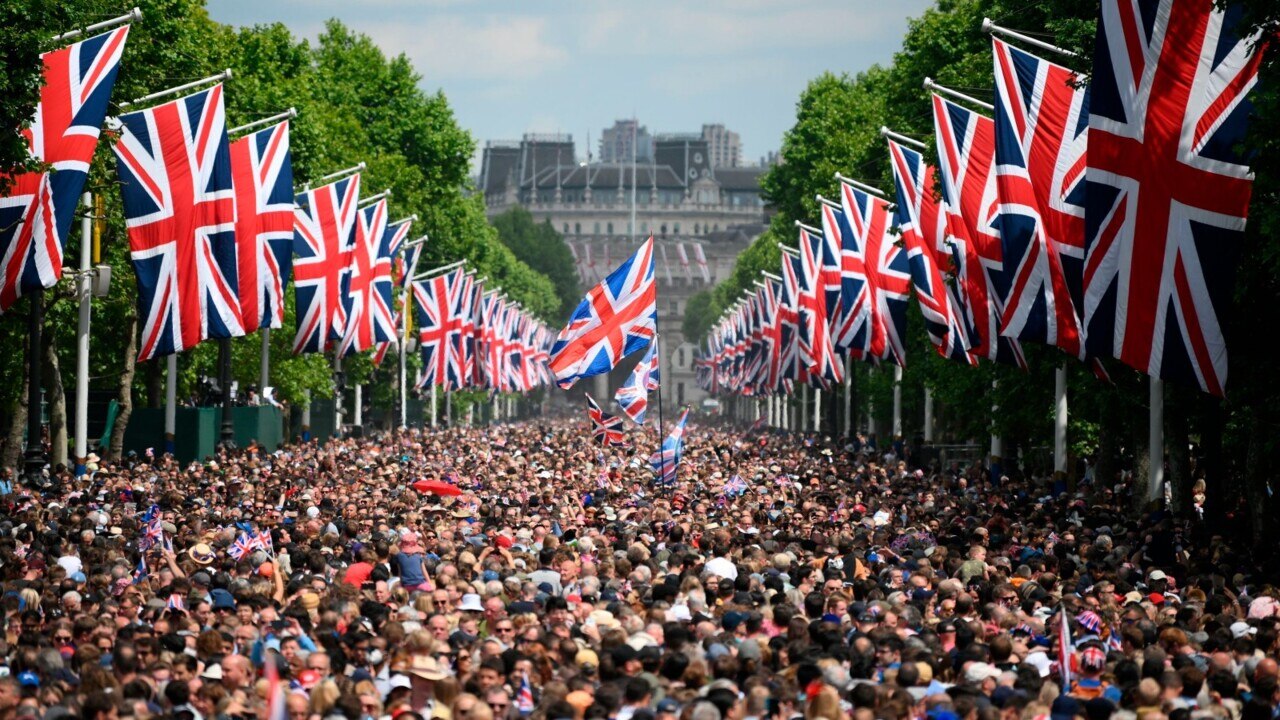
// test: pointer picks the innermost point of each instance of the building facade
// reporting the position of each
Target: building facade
(724, 147)
(694, 211)
(616, 142)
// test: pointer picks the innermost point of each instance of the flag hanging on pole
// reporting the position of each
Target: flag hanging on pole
(684, 261)
(700, 255)
(667, 460)
(436, 300)
(324, 230)
(616, 318)
(606, 428)
(886, 272)
(819, 352)
(1168, 190)
(368, 298)
(36, 215)
(174, 165)
(633, 396)
(263, 175)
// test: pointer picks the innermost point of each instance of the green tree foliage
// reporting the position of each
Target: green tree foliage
(542, 248)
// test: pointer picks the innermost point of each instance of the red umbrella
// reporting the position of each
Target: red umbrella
(437, 487)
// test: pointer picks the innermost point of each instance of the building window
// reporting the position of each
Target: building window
(680, 358)
(610, 228)
(676, 230)
(644, 227)
(566, 228)
(577, 228)
(697, 228)
(664, 229)
(679, 393)
(597, 230)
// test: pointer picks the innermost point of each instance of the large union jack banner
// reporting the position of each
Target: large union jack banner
(884, 272)
(1041, 124)
(922, 223)
(323, 239)
(174, 165)
(36, 215)
(966, 172)
(616, 318)
(263, 175)
(370, 312)
(439, 327)
(633, 396)
(1168, 193)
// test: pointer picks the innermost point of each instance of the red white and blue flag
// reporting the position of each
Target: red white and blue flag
(616, 318)
(1041, 125)
(263, 175)
(791, 364)
(36, 214)
(1168, 191)
(885, 274)
(922, 222)
(849, 320)
(370, 310)
(174, 164)
(825, 368)
(633, 396)
(667, 460)
(323, 240)
(606, 428)
(966, 171)
(439, 326)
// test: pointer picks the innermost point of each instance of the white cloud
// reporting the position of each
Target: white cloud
(450, 47)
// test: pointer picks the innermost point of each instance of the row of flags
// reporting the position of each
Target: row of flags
(473, 338)
(215, 230)
(1102, 218)
(588, 271)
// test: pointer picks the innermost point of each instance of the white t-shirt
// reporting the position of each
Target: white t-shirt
(71, 564)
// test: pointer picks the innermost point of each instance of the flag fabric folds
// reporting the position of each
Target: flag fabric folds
(370, 312)
(825, 369)
(701, 256)
(36, 215)
(886, 274)
(324, 233)
(1168, 193)
(438, 300)
(263, 176)
(174, 165)
(667, 460)
(606, 428)
(616, 318)
(633, 396)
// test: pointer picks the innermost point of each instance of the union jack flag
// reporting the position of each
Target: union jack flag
(633, 396)
(616, 318)
(667, 460)
(140, 571)
(770, 312)
(242, 546)
(323, 238)
(819, 351)
(264, 542)
(36, 215)
(524, 696)
(152, 529)
(438, 300)
(884, 271)
(472, 290)
(263, 174)
(923, 226)
(849, 319)
(606, 428)
(966, 172)
(684, 261)
(791, 367)
(1041, 125)
(370, 313)
(392, 242)
(174, 164)
(1168, 193)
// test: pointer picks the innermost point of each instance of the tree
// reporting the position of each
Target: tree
(544, 250)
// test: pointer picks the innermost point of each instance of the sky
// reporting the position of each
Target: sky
(574, 66)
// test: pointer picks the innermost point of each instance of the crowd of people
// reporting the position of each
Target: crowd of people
(777, 577)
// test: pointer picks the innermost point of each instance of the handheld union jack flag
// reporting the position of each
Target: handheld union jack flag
(437, 301)
(174, 165)
(884, 271)
(1168, 193)
(666, 461)
(370, 313)
(616, 318)
(241, 547)
(36, 215)
(606, 428)
(1041, 128)
(263, 175)
(922, 224)
(633, 396)
(966, 172)
(323, 238)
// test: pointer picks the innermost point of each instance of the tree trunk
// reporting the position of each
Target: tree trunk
(13, 445)
(126, 389)
(57, 402)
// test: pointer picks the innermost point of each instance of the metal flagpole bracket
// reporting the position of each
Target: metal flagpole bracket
(828, 203)
(443, 268)
(929, 84)
(411, 218)
(990, 27)
(860, 185)
(810, 228)
(886, 132)
(131, 16)
(366, 201)
(286, 115)
(789, 250)
(335, 175)
(771, 276)
(220, 77)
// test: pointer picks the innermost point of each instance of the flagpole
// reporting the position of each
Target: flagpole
(131, 16)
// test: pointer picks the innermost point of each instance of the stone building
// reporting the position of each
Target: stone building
(688, 205)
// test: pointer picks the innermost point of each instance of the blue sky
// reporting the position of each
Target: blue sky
(510, 67)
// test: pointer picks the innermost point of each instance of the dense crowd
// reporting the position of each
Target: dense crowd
(777, 577)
